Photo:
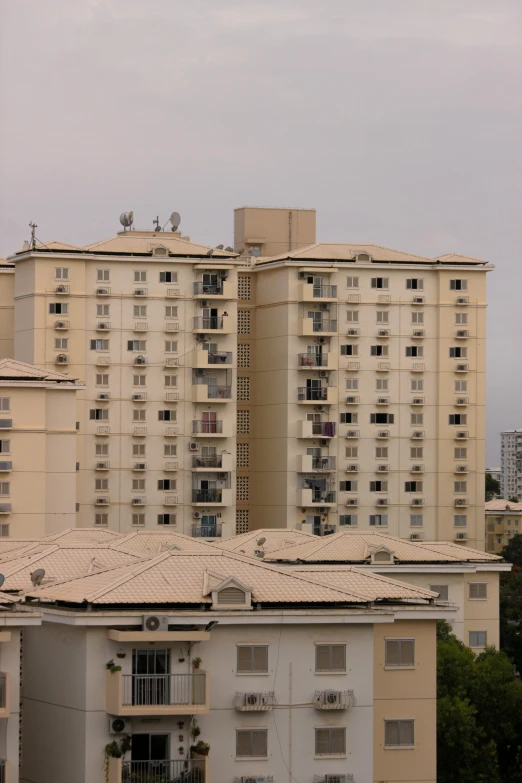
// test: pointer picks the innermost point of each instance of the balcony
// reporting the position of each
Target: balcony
(167, 771)
(326, 394)
(307, 498)
(316, 429)
(309, 327)
(212, 462)
(156, 694)
(208, 428)
(306, 361)
(202, 359)
(216, 324)
(211, 497)
(308, 292)
(5, 700)
(308, 464)
(206, 531)
(223, 289)
(205, 392)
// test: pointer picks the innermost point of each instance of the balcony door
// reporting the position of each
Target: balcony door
(150, 669)
(150, 757)
(208, 525)
(209, 420)
(210, 283)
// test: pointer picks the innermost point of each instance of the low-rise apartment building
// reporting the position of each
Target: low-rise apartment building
(280, 672)
(503, 520)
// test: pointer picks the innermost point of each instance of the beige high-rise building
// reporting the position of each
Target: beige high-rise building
(7, 275)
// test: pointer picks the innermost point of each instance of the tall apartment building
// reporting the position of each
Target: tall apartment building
(364, 390)
(148, 321)
(511, 464)
(7, 275)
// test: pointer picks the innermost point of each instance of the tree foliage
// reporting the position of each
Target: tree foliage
(479, 714)
(492, 487)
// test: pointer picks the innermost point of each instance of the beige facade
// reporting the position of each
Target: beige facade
(267, 231)
(7, 275)
(503, 520)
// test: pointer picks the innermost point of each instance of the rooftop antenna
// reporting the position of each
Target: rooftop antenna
(33, 226)
(37, 576)
(156, 224)
(127, 219)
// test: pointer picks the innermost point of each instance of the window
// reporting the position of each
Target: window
(352, 282)
(458, 352)
(5, 446)
(140, 311)
(352, 316)
(398, 734)
(378, 350)
(442, 590)
(99, 345)
(167, 415)
(458, 285)
(101, 484)
(101, 449)
(381, 452)
(461, 319)
(167, 484)
(417, 318)
(166, 519)
(457, 418)
(330, 657)
(382, 384)
(383, 316)
(138, 449)
(415, 284)
(101, 519)
(349, 520)
(461, 386)
(379, 520)
(382, 418)
(478, 638)
(378, 486)
(171, 346)
(139, 380)
(5, 403)
(136, 345)
(252, 743)
(99, 414)
(139, 414)
(414, 350)
(416, 520)
(170, 450)
(171, 380)
(380, 282)
(416, 419)
(330, 742)
(5, 488)
(349, 350)
(138, 520)
(460, 486)
(416, 452)
(413, 486)
(352, 384)
(171, 312)
(138, 485)
(168, 277)
(4, 531)
(399, 652)
(61, 273)
(102, 379)
(478, 591)
(140, 276)
(252, 658)
(103, 310)
(103, 275)
(348, 486)
(460, 520)
(352, 452)
(58, 308)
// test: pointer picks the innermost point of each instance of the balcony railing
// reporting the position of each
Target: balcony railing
(163, 690)
(323, 463)
(312, 359)
(220, 357)
(323, 496)
(304, 393)
(207, 427)
(167, 771)
(327, 325)
(206, 531)
(208, 289)
(208, 324)
(207, 495)
(213, 461)
(323, 530)
(219, 392)
(326, 429)
(325, 291)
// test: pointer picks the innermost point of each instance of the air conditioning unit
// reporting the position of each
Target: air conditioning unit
(462, 367)
(102, 501)
(383, 332)
(353, 468)
(462, 469)
(324, 306)
(417, 434)
(351, 434)
(418, 400)
(352, 502)
(102, 291)
(332, 698)
(302, 275)
(461, 401)
(119, 726)
(103, 326)
(382, 468)
(461, 536)
(418, 300)
(60, 324)
(321, 340)
(61, 289)
(353, 332)
(351, 400)
(139, 292)
(254, 699)
(382, 501)
(137, 397)
(155, 622)
(383, 433)
(416, 537)
(462, 299)
(416, 468)
(382, 401)
(324, 442)
(103, 396)
(140, 466)
(102, 465)
(255, 779)
(462, 435)
(319, 408)
(460, 502)
(462, 333)
(62, 359)
(418, 332)
(138, 501)
(193, 445)
(196, 515)
(323, 373)
(140, 360)
(417, 502)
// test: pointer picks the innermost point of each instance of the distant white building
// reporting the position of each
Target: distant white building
(511, 464)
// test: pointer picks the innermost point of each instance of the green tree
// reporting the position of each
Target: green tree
(512, 552)
(492, 488)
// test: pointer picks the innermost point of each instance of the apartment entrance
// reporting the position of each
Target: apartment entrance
(151, 670)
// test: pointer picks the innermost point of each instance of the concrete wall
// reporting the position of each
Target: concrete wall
(6, 312)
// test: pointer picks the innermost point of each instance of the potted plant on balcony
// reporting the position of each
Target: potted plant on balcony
(112, 667)
(196, 662)
(199, 750)
(195, 730)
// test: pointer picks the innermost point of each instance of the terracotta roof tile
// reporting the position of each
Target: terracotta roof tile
(14, 370)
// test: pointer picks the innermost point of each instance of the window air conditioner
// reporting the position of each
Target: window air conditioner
(102, 326)
(119, 726)
(383, 332)
(137, 397)
(103, 396)
(417, 434)
(140, 360)
(461, 536)
(138, 501)
(193, 446)
(196, 515)
(60, 289)
(382, 468)
(153, 622)
(321, 340)
(62, 359)
(102, 291)
(324, 306)
(418, 300)
(416, 468)
(140, 465)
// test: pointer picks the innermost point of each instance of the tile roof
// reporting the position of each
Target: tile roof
(502, 505)
(143, 242)
(455, 258)
(12, 370)
(82, 535)
(146, 543)
(180, 578)
(275, 539)
(355, 579)
(341, 251)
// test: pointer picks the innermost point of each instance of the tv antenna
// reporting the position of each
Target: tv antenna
(127, 219)
(33, 226)
(156, 223)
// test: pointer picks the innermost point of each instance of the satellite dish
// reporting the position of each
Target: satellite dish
(220, 247)
(127, 219)
(175, 220)
(261, 541)
(37, 576)
(230, 249)
(2, 579)
(260, 553)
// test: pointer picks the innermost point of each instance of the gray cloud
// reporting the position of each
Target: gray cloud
(400, 122)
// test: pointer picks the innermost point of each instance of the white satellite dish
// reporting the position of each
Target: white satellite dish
(175, 220)
(127, 219)
(261, 541)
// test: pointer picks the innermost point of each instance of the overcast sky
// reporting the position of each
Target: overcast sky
(399, 120)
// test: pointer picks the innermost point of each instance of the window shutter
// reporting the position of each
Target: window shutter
(231, 595)
(322, 742)
(259, 742)
(406, 732)
(392, 652)
(243, 743)
(391, 732)
(338, 657)
(260, 658)
(478, 590)
(244, 659)
(322, 657)
(407, 652)
(338, 741)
